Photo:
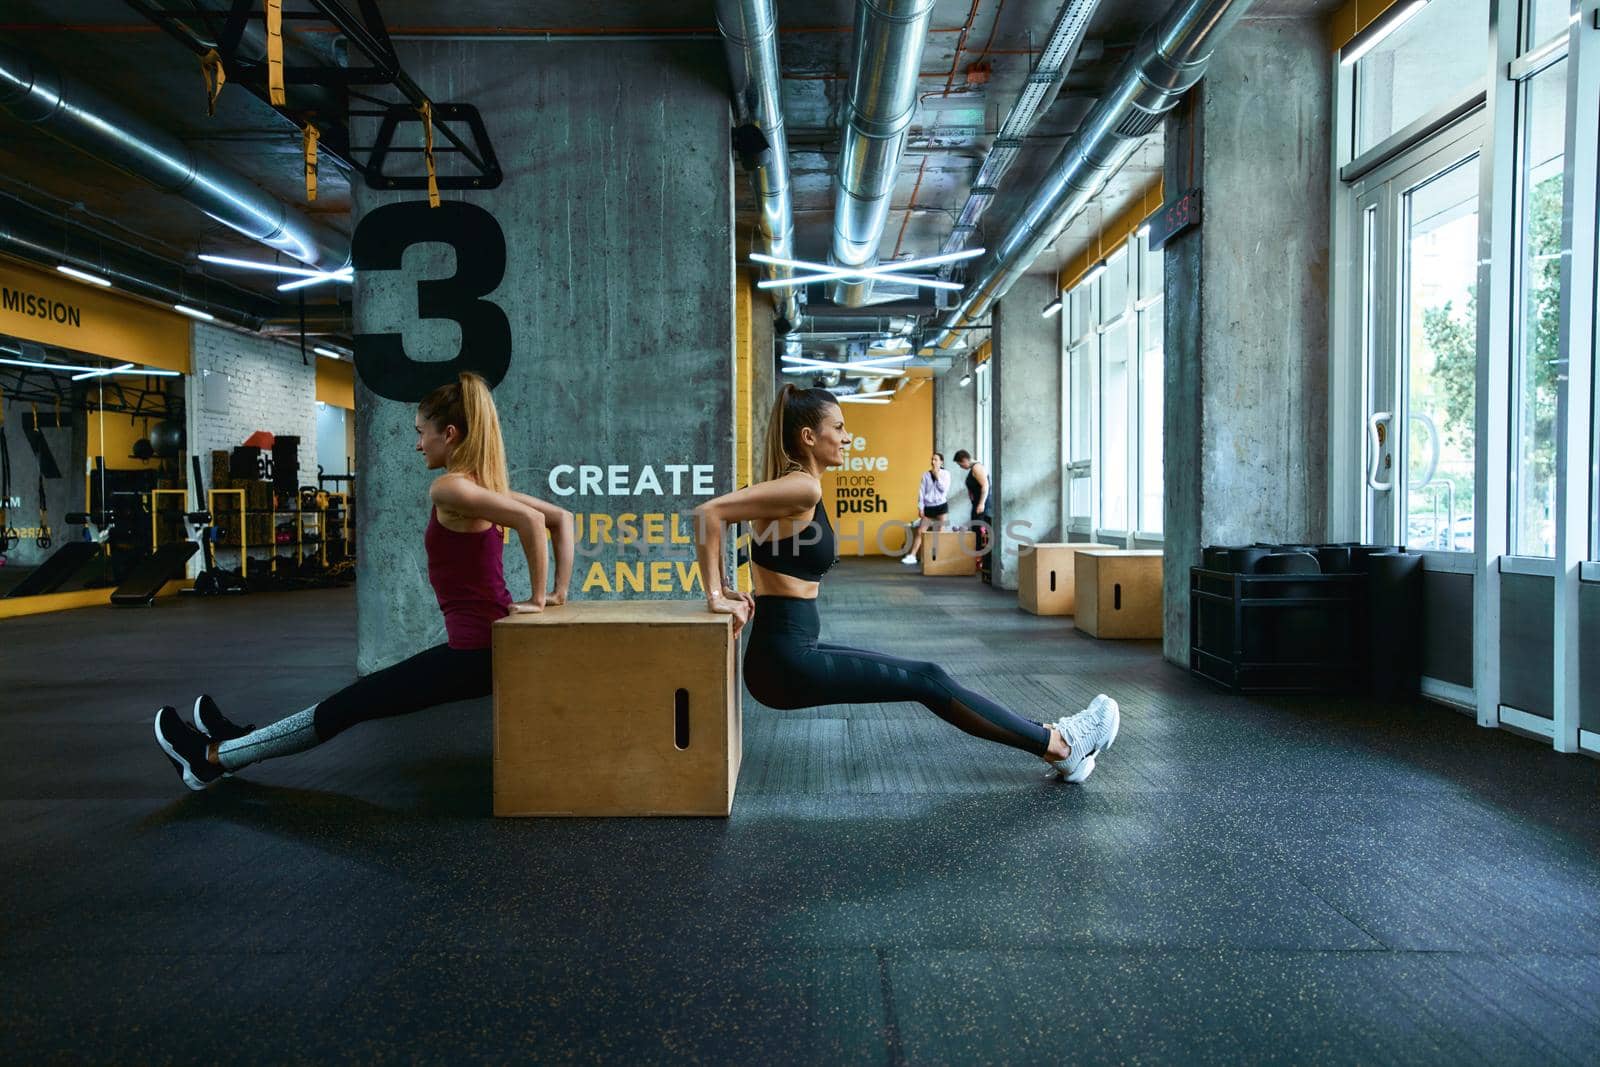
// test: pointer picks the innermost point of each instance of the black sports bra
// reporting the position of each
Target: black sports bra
(807, 559)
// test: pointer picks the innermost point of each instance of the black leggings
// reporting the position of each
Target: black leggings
(786, 667)
(439, 675)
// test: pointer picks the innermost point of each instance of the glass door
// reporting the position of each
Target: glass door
(1418, 235)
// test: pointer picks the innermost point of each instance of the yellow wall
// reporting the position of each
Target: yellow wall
(890, 452)
(121, 432)
(743, 443)
(1352, 18)
(1112, 235)
(101, 323)
(336, 383)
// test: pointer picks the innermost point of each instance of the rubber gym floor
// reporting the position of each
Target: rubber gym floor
(1242, 880)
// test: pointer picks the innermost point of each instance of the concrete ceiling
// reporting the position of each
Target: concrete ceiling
(109, 45)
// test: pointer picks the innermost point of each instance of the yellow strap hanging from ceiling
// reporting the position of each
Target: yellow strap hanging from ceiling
(275, 52)
(427, 152)
(215, 76)
(308, 145)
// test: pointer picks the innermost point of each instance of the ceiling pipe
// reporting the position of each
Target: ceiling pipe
(43, 239)
(39, 94)
(1166, 64)
(1060, 52)
(750, 41)
(889, 36)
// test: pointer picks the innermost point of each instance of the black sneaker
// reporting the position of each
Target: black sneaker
(186, 748)
(209, 720)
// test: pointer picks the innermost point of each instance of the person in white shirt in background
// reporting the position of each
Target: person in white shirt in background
(933, 503)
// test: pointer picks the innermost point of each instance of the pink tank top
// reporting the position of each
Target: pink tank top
(468, 577)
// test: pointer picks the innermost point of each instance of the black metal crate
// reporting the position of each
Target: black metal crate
(1276, 633)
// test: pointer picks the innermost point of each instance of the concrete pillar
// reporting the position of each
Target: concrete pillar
(617, 214)
(1246, 333)
(955, 427)
(1026, 495)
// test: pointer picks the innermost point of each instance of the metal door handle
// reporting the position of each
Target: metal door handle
(1375, 439)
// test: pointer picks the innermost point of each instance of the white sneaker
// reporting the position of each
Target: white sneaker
(910, 558)
(1088, 733)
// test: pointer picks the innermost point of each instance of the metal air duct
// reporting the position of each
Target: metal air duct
(37, 93)
(750, 40)
(889, 35)
(1165, 65)
(33, 235)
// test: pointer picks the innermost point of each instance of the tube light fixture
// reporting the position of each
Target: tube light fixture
(255, 264)
(862, 400)
(344, 274)
(84, 276)
(885, 269)
(868, 368)
(1094, 272)
(879, 392)
(966, 379)
(101, 372)
(1051, 308)
(330, 353)
(833, 275)
(194, 313)
(60, 367)
(1381, 27)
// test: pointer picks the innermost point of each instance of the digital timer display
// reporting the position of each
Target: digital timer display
(1174, 218)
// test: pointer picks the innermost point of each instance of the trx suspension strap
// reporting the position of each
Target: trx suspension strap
(275, 52)
(211, 70)
(308, 145)
(427, 152)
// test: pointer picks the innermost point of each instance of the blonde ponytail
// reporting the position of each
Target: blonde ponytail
(468, 405)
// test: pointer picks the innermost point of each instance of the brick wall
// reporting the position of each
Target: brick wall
(267, 389)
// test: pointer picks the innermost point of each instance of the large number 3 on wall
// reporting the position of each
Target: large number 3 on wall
(380, 243)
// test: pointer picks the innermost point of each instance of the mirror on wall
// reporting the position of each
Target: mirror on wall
(92, 466)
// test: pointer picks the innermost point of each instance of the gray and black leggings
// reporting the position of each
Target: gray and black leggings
(786, 667)
(439, 675)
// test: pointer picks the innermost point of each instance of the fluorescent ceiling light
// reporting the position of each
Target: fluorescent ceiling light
(1052, 307)
(1379, 30)
(882, 268)
(880, 392)
(88, 372)
(834, 275)
(869, 368)
(330, 353)
(1094, 272)
(342, 275)
(892, 344)
(62, 367)
(194, 313)
(254, 264)
(101, 372)
(83, 276)
(966, 379)
(893, 271)
(862, 400)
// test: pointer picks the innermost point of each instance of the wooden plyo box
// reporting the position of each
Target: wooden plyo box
(1119, 592)
(615, 707)
(1047, 577)
(950, 552)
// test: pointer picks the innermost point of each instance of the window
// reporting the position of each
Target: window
(1439, 351)
(1113, 403)
(1542, 122)
(1545, 19)
(1114, 425)
(1425, 64)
